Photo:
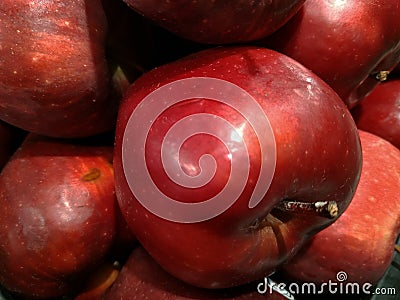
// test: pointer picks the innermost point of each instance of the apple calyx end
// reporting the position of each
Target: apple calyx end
(327, 209)
(381, 75)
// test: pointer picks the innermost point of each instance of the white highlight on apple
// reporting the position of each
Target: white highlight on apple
(153, 105)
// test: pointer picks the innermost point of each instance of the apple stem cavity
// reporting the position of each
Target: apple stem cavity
(327, 209)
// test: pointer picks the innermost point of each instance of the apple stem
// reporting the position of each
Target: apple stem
(397, 248)
(322, 208)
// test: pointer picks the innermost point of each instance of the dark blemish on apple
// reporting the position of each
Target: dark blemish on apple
(92, 175)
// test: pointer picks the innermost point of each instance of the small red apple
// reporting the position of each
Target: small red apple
(218, 21)
(379, 112)
(350, 44)
(53, 72)
(58, 216)
(142, 278)
(228, 160)
(360, 244)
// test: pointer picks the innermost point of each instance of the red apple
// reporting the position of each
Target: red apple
(379, 112)
(228, 160)
(350, 44)
(142, 278)
(360, 244)
(58, 216)
(218, 22)
(54, 74)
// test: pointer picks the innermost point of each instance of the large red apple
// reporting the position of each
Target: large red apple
(379, 112)
(142, 278)
(350, 44)
(359, 246)
(218, 21)
(228, 160)
(53, 72)
(57, 216)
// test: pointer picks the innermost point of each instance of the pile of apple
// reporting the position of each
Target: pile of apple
(190, 149)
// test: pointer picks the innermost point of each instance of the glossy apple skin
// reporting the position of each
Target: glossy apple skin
(142, 278)
(318, 158)
(361, 242)
(58, 216)
(379, 112)
(218, 22)
(53, 70)
(344, 42)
